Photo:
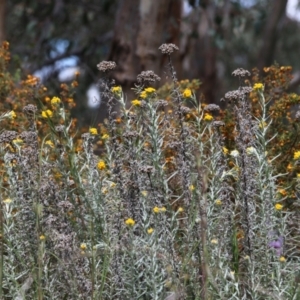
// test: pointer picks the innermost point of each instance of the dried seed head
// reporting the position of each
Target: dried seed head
(168, 48)
(29, 137)
(106, 66)
(147, 76)
(235, 95)
(7, 136)
(218, 124)
(59, 128)
(29, 109)
(241, 72)
(212, 107)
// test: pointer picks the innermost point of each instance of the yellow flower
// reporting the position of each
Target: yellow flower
(258, 87)
(18, 141)
(150, 90)
(12, 115)
(49, 143)
(42, 237)
(191, 187)
(218, 202)
(144, 193)
(143, 94)
(208, 117)
(296, 155)
(214, 241)
(278, 206)
(298, 175)
(93, 131)
(282, 259)
(101, 165)
(180, 209)
(163, 209)
(156, 210)
(150, 230)
(105, 136)
(7, 200)
(116, 89)
(262, 125)
(130, 222)
(225, 150)
(55, 101)
(112, 184)
(136, 102)
(187, 93)
(47, 114)
(289, 167)
(83, 246)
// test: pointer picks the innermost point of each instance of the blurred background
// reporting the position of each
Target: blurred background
(53, 39)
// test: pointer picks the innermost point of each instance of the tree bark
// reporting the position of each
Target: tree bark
(2, 21)
(270, 35)
(141, 26)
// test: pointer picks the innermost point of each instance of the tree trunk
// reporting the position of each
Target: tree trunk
(2, 21)
(141, 26)
(270, 35)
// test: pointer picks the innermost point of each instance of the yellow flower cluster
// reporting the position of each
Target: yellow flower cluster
(101, 165)
(93, 131)
(296, 155)
(207, 117)
(55, 101)
(130, 222)
(150, 230)
(136, 102)
(47, 114)
(116, 89)
(278, 206)
(258, 87)
(157, 210)
(147, 92)
(187, 93)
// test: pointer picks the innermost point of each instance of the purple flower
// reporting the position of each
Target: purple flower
(277, 245)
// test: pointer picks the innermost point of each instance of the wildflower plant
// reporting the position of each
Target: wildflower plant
(175, 207)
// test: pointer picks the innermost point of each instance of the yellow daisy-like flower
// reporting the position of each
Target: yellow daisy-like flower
(282, 259)
(49, 143)
(187, 93)
(130, 222)
(150, 90)
(18, 141)
(143, 94)
(93, 131)
(156, 209)
(298, 175)
(225, 150)
(150, 230)
(258, 87)
(7, 200)
(83, 246)
(180, 209)
(214, 241)
(116, 89)
(12, 115)
(278, 206)
(289, 168)
(136, 102)
(42, 237)
(55, 101)
(101, 165)
(191, 187)
(208, 117)
(283, 192)
(218, 202)
(163, 209)
(296, 155)
(105, 136)
(47, 114)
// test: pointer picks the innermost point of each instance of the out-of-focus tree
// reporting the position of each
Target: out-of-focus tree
(215, 37)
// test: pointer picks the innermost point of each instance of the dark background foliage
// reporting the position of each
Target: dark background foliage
(214, 38)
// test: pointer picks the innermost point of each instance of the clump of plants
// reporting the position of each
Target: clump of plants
(175, 206)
